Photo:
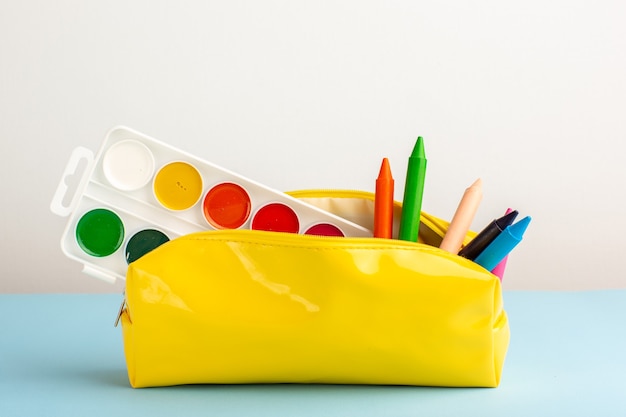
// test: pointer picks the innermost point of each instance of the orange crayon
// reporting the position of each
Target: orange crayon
(463, 217)
(383, 202)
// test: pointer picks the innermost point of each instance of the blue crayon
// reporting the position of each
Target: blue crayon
(502, 245)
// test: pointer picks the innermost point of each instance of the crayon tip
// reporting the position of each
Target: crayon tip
(418, 149)
(517, 230)
(507, 219)
(476, 184)
(385, 170)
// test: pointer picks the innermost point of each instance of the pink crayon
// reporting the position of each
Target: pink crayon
(498, 270)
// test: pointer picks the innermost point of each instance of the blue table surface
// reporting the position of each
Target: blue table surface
(61, 355)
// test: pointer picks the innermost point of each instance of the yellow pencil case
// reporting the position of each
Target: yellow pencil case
(241, 306)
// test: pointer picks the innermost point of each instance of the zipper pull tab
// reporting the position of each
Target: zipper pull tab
(120, 312)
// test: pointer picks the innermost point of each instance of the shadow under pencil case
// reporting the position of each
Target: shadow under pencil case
(242, 306)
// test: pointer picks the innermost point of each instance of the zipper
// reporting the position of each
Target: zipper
(306, 241)
(332, 193)
(122, 310)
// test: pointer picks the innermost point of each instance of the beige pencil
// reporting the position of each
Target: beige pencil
(463, 217)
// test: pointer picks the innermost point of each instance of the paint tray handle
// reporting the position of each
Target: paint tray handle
(59, 204)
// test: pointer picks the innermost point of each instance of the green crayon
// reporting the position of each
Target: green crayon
(413, 191)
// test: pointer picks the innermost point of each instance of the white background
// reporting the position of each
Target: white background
(529, 96)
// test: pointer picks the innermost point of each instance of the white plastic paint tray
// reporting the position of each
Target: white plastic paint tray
(137, 193)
